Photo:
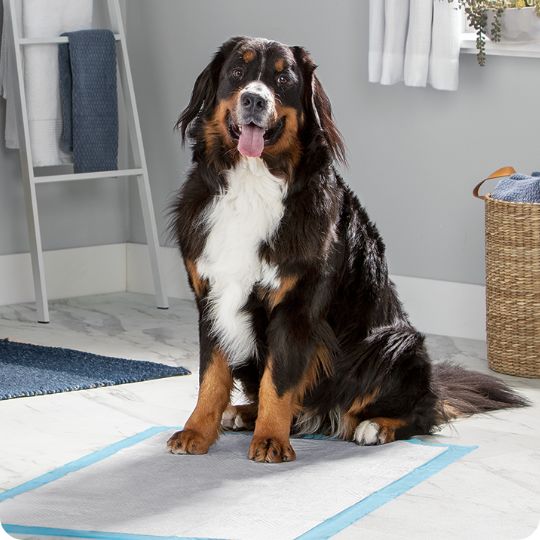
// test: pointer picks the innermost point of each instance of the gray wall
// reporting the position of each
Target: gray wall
(414, 154)
(72, 214)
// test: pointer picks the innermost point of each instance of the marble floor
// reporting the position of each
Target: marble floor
(493, 493)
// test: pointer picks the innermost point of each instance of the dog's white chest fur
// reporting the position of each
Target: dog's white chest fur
(238, 222)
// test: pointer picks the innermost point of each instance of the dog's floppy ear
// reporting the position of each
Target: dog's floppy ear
(317, 105)
(205, 89)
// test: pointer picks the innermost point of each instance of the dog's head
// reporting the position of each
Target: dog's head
(260, 98)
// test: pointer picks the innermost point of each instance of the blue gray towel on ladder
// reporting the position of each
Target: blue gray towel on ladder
(518, 188)
(89, 99)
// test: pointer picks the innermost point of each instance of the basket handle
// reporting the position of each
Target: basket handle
(499, 173)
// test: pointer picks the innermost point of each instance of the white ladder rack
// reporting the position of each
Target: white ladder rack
(30, 180)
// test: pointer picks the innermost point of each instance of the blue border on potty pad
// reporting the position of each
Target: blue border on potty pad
(325, 529)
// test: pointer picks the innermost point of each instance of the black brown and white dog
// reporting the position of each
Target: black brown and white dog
(290, 277)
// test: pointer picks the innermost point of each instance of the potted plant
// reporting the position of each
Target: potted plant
(518, 23)
(508, 20)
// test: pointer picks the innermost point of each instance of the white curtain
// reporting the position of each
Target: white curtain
(415, 41)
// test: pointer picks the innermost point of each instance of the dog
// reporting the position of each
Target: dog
(290, 277)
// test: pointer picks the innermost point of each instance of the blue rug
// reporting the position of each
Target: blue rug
(32, 370)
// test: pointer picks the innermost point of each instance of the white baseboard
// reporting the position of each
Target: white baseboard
(444, 307)
(139, 275)
(68, 272)
(435, 307)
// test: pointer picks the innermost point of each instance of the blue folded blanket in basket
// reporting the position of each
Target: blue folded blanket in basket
(519, 188)
(89, 99)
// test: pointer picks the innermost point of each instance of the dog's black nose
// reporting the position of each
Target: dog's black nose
(253, 103)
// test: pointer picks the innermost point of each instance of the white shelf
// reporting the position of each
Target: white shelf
(87, 176)
(504, 48)
(48, 40)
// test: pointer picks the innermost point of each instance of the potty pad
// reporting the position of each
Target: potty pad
(136, 490)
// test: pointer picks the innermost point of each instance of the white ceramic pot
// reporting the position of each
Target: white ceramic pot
(518, 25)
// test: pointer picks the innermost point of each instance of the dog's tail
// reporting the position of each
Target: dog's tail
(462, 392)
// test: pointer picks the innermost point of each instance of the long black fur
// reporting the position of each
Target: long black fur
(464, 392)
(343, 299)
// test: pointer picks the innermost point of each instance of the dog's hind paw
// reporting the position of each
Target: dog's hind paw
(368, 433)
(239, 417)
(380, 430)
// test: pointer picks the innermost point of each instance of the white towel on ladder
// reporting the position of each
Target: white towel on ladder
(41, 19)
(45, 19)
(8, 72)
(415, 41)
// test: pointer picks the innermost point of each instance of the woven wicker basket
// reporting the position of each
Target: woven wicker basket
(512, 283)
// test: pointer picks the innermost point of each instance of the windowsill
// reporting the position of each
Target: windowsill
(504, 48)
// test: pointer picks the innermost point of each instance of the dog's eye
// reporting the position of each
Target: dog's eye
(237, 73)
(283, 79)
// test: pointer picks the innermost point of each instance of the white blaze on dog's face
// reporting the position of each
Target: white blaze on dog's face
(255, 113)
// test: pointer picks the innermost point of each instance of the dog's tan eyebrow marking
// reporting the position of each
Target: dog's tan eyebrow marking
(248, 56)
(280, 64)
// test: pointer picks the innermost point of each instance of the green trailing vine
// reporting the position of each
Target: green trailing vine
(477, 12)
(496, 25)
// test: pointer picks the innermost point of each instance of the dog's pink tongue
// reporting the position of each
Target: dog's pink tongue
(251, 141)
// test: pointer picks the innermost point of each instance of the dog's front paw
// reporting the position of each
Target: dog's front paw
(188, 441)
(270, 450)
